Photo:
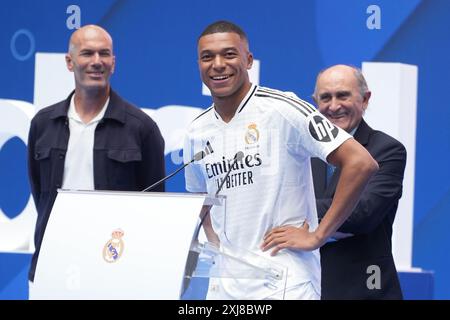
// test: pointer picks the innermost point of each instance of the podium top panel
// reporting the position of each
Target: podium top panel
(135, 193)
(210, 200)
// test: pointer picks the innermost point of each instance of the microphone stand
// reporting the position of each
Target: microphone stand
(197, 157)
(167, 177)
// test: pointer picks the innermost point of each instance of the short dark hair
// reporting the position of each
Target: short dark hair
(223, 26)
(357, 72)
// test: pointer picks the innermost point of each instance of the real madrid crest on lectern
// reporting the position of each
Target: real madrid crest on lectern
(113, 249)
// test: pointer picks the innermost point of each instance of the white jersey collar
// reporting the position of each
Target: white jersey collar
(241, 107)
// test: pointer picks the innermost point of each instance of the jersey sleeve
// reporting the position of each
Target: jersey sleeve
(195, 181)
(322, 137)
(316, 134)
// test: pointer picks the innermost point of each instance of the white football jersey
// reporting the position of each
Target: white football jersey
(271, 186)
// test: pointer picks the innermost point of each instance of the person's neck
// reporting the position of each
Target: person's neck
(88, 104)
(353, 131)
(226, 106)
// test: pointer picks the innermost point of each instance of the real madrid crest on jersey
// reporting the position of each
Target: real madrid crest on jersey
(252, 134)
(113, 249)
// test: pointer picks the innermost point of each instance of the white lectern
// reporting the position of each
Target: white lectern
(135, 245)
(116, 245)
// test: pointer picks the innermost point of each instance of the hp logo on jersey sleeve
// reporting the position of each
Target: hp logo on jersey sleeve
(322, 130)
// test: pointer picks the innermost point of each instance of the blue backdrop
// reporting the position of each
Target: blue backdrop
(155, 47)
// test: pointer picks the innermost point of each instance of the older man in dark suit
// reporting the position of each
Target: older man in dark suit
(359, 264)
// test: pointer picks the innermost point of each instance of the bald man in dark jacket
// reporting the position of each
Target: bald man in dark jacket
(360, 264)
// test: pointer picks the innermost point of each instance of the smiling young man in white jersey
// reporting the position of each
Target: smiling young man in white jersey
(271, 185)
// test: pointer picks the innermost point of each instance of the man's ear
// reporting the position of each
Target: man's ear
(69, 62)
(249, 60)
(366, 99)
(113, 64)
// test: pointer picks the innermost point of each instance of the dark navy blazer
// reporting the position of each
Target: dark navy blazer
(345, 262)
(128, 155)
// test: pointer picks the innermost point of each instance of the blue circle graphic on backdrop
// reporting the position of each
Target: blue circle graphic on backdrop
(14, 187)
(15, 37)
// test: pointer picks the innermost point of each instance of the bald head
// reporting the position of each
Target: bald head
(344, 71)
(88, 32)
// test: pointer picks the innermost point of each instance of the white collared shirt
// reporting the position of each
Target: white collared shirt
(79, 162)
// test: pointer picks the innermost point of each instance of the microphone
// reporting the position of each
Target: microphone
(197, 157)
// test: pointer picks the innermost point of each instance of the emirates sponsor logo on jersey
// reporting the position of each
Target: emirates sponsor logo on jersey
(241, 170)
(219, 168)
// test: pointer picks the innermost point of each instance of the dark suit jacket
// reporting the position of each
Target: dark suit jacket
(345, 262)
(128, 155)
